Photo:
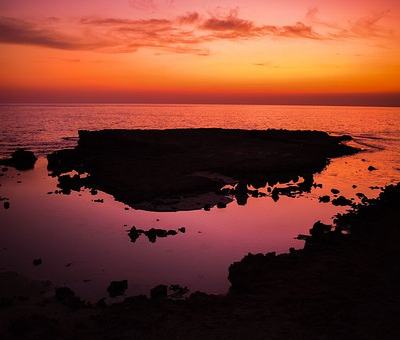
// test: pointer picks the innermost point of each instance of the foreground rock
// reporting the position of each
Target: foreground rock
(21, 159)
(153, 233)
(342, 285)
(185, 169)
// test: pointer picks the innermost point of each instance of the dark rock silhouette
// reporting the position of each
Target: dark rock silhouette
(37, 262)
(221, 205)
(341, 201)
(67, 297)
(324, 199)
(21, 159)
(184, 169)
(372, 168)
(153, 233)
(159, 292)
(117, 288)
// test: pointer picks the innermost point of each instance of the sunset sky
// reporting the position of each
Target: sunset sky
(220, 51)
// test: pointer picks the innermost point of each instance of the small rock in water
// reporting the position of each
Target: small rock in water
(100, 200)
(117, 288)
(93, 192)
(182, 229)
(354, 186)
(23, 159)
(324, 199)
(37, 262)
(207, 207)
(6, 205)
(372, 168)
(341, 201)
(335, 191)
(275, 194)
(159, 292)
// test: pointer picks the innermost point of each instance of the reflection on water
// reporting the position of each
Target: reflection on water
(86, 244)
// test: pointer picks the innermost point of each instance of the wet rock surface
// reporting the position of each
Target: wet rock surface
(184, 169)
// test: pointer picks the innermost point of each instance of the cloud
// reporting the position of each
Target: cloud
(189, 18)
(366, 27)
(188, 33)
(230, 22)
(150, 5)
(16, 31)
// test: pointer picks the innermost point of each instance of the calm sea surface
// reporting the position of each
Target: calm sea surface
(85, 245)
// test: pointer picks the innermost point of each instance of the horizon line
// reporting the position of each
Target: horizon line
(51, 103)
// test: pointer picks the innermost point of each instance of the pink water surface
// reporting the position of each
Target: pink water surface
(92, 238)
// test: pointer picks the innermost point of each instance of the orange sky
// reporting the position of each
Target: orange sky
(254, 51)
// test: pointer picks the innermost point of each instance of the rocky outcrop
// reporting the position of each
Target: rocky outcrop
(185, 169)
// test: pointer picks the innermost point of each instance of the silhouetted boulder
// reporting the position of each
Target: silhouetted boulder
(117, 288)
(335, 191)
(275, 194)
(341, 201)
(63, 293)
(134, 234)
(207, 207)
(37, 262)
(324, 199)
(23, 159)
(159, 292)
(372, 168)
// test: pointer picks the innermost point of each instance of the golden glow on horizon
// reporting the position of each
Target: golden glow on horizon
(225, 53)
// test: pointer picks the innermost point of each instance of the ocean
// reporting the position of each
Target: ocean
(85, 245)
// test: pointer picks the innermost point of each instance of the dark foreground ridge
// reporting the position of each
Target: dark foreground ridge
(344, 284)
(185, 169)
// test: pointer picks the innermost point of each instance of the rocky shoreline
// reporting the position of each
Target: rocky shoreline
(342, 285)
(185, 169)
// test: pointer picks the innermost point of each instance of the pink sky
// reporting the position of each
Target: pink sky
(324, 52)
